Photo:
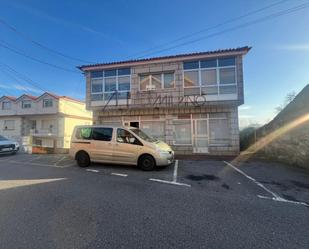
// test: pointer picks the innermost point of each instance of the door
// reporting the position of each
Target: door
(200, 136)
(134, 124)
(126, 147)
(102, 144)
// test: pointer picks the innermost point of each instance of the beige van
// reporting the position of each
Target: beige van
(118, 145)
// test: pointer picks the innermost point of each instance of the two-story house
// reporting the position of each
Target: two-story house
(189, 100)
(43, 123)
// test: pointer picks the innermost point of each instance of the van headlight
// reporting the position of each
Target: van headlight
(16, 145)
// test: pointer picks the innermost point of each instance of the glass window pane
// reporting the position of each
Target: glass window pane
(219, 132)
(191, 79)
(192, 91)
(209, 77)
(156, 81)
(209, 63)
(227, 89)
(96, 97)
(182, 131)
(155, 129)
(83, 133)
(124, 71)
(218, 115)
(123, 136)
(190, 65)
(210, 90)
(227, 76)
(96, 74)
(110, 85)
(230, 61)
(102, 134)
(124, 83)
(111, 96)
(96, 85)
(144, 82)
(168, 80)
(109, 73)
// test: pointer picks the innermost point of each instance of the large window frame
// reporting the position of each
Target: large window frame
(218, 84)
(102, 95)
(207, 118)
(26, 104)
(161, 79)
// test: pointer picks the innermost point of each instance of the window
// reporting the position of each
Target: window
(154, 128)
(110, 84)
(83, 133)
(169, 80)
(157, 81)
(123, 136)
(96, 85)
(102, 134)
(210, 77)
(182, 132)
(9, 125)
(96, 74)
(48, 125)
(227, 76)
(47, 103)
(6, 105)
(191, 79)
(25, 104)
(219, 131)
(105, 83)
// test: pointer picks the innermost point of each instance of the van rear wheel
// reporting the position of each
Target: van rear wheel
(146, 163)
(83, 159)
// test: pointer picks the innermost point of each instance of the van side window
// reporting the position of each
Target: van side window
(83, 133)
(124, 136)
(102, 134)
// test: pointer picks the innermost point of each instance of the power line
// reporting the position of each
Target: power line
(231, 20)
(28, 38)
(258, 20)
(19, 52)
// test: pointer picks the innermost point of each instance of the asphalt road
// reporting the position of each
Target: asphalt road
(47, 202)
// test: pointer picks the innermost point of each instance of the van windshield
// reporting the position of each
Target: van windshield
(143, 135)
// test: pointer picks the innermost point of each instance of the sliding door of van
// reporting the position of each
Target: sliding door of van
(102, 145)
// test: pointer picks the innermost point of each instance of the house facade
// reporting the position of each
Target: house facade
(189, 101)
(44, 123)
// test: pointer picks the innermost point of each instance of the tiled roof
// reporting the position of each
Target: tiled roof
(230, 50)
(37, 97)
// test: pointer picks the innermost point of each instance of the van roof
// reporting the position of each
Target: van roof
(107, 126)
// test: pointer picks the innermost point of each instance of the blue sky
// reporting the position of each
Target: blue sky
(101, 31)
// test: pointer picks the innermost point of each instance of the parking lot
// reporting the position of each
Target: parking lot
(200, 195)
(254, 179)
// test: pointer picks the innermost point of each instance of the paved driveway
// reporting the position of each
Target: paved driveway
(46, 201)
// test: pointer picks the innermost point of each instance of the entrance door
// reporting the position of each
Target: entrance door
(200, 136)
(134, 124)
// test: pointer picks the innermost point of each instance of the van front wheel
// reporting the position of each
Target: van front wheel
(82, 159)
(146, 163)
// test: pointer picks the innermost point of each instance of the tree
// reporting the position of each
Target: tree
(288, 99)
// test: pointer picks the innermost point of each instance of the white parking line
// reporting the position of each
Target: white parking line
(170, 182)
(60, 160)
(118, 174)
(93, 170)
(38, 164)
(175, 171)
(174, 181)
(275, 197)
